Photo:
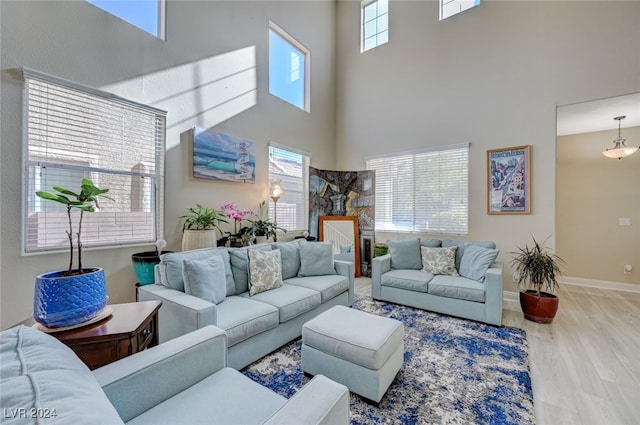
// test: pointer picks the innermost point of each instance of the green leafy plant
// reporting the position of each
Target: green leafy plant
(263, 226)
(203, 218)
(537, 267)
(85, 201)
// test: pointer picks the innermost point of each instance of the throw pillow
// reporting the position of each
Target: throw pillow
(475, 262)
(345, 249)
(240, 265)
(290, 256)
(316, 259)
(462, 245)
(439, 260)
(172, 265)
(205, 279)
(405, 254)
(265, 268)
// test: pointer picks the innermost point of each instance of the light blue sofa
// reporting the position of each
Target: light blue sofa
(183, 381)
(259, 324)
(475, 294)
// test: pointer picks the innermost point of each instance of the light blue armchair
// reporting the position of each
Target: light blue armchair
(182, 381)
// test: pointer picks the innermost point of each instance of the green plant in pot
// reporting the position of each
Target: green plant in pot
(201, 227)
(537, 270)
(71, 296)
(263, 228)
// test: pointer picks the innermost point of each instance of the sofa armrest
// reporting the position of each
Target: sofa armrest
(320, 402)
(493, 294)
(180, 313)
(379, 266)
(347, 269)
(139, 382)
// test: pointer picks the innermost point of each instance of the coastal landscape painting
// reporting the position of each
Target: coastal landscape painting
(219, 156)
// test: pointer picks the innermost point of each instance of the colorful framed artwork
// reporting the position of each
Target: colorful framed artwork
(218, 156)
(509, 180)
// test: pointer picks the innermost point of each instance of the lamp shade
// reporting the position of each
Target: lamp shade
(619, 150)
(275, 190)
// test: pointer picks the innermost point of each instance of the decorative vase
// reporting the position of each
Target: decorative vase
(197, 239)
(540, 309)
(261, 239)
(144, 264)
(69, 300)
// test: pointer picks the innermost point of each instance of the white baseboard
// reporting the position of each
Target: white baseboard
(601, 284)
(511, 300)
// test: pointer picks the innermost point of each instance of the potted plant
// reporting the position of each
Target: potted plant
(263, 228)
(239, 237)
(200, 227)
(537, 269)
(71, 296)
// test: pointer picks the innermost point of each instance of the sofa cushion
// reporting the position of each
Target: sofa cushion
(431, 243)
(316, 259)
(413, 280)
(39, 372)
(475, 262)
(240, 266)
(172, 262)
(265, 269)
(205, 279)
(242, 318)
(439, 260)
(462, 245)
(291, 301)
(328, 286)
(405, 254)
(290, 256)
(457, 287)
(226, 397)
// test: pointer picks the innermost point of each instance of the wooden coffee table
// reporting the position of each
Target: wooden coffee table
(131, 328)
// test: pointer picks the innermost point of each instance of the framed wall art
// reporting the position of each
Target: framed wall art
(218, 156)
(509, 180)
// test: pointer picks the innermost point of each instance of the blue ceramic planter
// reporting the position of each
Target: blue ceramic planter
(61, 301)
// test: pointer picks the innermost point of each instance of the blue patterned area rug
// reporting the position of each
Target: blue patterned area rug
(455, 371)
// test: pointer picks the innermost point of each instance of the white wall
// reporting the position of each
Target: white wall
(211, 72)
(492, 76)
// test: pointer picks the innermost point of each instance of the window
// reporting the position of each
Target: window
(148, 15)
(291, 169)
(424, 191)
(374, 24)
(74, 132)
(288, 68)
(453, 7)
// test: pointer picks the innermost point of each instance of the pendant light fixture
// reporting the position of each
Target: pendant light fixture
(619, 150)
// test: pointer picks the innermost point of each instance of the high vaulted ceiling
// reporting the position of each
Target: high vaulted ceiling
(597, 115)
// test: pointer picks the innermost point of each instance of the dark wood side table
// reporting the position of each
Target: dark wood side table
(131, 328)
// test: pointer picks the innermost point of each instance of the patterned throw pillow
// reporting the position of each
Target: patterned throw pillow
(265, 269)
(439, 260)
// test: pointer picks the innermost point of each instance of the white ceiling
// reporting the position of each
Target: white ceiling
(597, 115)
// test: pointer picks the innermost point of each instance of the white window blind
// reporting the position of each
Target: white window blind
(73, 132)
(424, 191)
(291, 169)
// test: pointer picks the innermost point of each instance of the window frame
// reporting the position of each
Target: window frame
(302, 219)
(295, 44)
(34, 157)
(463, 5)
(419, 175)
(161, 24)
(377, 19)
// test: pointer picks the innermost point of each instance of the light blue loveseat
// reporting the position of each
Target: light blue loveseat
(475, 293)
(183, 381)
(259, 324)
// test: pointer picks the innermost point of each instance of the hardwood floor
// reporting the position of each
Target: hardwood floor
(585, 366)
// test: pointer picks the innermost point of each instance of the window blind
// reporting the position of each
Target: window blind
(422, 191)
(73, 132)
(291, 169)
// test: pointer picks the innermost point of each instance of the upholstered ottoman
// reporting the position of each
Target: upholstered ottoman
(357, 349)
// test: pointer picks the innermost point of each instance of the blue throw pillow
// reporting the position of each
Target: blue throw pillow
(316, 259)
(475, 261)
(205, 279)
(405, 254)
(462, 245)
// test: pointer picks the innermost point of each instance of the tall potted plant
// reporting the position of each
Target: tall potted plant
(71, 296)
(537, 270)
(201, 226)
